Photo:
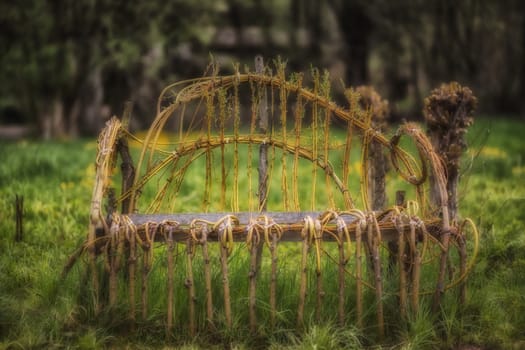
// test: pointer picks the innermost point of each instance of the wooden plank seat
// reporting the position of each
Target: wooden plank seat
(290, 225)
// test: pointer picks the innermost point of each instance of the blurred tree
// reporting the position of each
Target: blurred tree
(55, 54)
(522, 81)
(472, 41)
(66, 64)
(357, 28)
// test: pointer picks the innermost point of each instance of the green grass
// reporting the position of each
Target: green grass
(37, 309)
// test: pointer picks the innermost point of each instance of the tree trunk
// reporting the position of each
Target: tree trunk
(92, 96)
(356, 28)
(52, 120)
(522, 80)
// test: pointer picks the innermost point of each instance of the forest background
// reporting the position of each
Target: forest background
(68, 65)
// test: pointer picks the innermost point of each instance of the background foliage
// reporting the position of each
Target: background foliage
(68, 65)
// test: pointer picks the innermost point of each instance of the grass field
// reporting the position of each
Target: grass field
(38, 310)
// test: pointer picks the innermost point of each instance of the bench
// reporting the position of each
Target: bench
(234, 145)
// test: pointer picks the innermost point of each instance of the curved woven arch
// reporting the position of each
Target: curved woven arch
(214, 99)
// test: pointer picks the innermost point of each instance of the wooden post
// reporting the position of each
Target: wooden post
(190, 285)
(358, 277)
(207, 277)
(462, 248)
(113, 264)
(263, 129)
(171, 247)
(252, 289)
(302, 287)
(127, 167)
(263, 156)
(342, 233)
(377, 161)
(226, 286)
(393, 247)
(19, 215)
(416, 268)
(132, 262)
(273, 280)
(371, 101)
(374, 236)
(449, 112)
(401, 260)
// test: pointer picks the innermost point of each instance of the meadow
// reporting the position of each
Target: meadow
(39, 309)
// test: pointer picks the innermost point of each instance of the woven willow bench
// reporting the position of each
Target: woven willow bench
(239, 144)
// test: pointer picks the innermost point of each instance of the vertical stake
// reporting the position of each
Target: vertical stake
(371, 101)
(401, 261)
(304, 276)
(462, 267)
(252, 289)
(273, 280)
(171, 246)
(132, 261)
(19, 214)
(449, 112)
(226, 286)
(190, 284)
(358, 276)
(341, 273)
(263, 155)
(374, 235)
(127, 167)
(393, 247)
(263, 129)
(416, 267)
(207, 277)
